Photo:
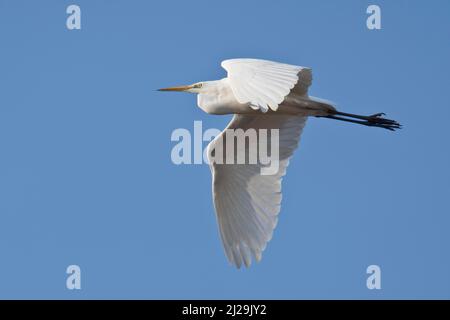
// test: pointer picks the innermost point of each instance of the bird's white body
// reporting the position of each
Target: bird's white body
(262, 95)
(218, 99)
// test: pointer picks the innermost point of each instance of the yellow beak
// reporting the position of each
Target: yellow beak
(180, 88)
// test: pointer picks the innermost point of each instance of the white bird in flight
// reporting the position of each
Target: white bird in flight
(262, 95)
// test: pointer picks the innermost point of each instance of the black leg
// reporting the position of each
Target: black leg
(375, 120)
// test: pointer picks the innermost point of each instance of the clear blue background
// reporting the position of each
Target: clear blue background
(85, 170)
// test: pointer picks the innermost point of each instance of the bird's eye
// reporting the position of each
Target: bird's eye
(198, 85)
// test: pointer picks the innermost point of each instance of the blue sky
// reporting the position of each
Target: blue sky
(86, 176)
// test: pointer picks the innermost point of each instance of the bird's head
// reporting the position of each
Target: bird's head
(198, 87)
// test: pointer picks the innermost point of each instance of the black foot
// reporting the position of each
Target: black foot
(377, 120)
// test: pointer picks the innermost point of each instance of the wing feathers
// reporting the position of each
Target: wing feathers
(247, 203)
(264, 84)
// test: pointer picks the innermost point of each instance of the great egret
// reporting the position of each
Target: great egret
(262, 95)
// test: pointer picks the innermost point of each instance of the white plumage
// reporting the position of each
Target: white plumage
(262, 95)
(263, 84)
(247, 203)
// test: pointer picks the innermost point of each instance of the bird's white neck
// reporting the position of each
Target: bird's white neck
(215, 97)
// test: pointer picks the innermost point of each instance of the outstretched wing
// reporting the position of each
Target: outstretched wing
(247, 203)
(264, 84)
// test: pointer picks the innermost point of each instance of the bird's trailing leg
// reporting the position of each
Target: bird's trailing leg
(375, 120)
